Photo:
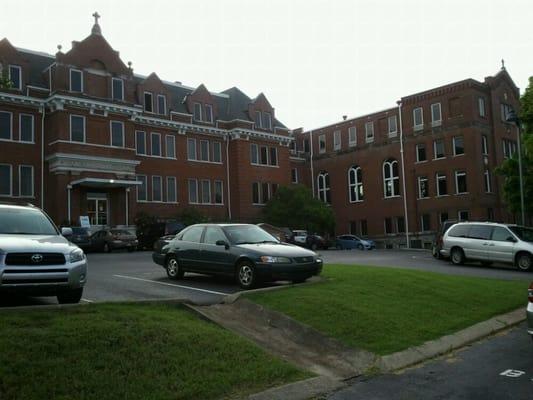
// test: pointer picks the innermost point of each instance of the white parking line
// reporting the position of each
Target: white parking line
(172, 284)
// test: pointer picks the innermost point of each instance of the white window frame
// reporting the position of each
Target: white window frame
(481, 107)
(195, 155)
(294, 177)
(484, 145)
(208, 152)
(356, 184)
(84, 128)
(421, 179)
(267, 155)
(169, 179)
(10, 180)
(260, 115)
(195, 104)
(217, 144)
(10, 125)
(32, 128)
(337, 140)
(435, 149)
(269, 121)
(145, 189)
(171, 146)
(418, 145)
(202, 182)
(436, 122)
(323, 189)
(457, 174)
(352, 143)
(321, 139)
(441, 177)
(488, 181)
(71, 70)
(19, 68)
(254, 150)
(137, 144)
(208, 115)
(454, 150)
(113, 79)
(152, 134)
(270, 161)
(390, 165)
(162, 96)
(151, 101)
(160, 188)
(195, 182)
(221, 183)
(369, 128)
(32, 195)
(418, 127)
(111, 134)
(393, 133)
(459, 215)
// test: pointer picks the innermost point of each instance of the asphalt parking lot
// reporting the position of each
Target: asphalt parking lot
(123, 276)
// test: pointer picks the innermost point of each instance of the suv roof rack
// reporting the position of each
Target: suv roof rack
(15, 203)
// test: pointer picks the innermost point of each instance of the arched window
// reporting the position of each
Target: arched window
(355, 184)
(324, 192)
(391, 178)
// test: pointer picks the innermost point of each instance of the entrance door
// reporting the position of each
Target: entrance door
(97, 211)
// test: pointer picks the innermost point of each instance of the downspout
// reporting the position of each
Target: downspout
(312, 168)
(227, 175)
(406, 217)
(43, 109)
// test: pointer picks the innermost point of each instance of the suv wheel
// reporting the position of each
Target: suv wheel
(524, 261)
(72, 296)
(246, 275)
(457, 256)
(173, 268)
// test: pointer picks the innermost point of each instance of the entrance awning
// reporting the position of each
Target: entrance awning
(105, 183)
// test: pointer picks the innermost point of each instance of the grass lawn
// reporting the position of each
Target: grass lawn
(123, 351)
(385, 310)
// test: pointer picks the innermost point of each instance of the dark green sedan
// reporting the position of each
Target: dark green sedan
(243, 251)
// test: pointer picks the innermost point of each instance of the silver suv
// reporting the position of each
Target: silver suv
(36, 259)
(489, 242)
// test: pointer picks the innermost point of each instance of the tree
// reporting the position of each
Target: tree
(296, 208)
(5, 82)
(509, 168)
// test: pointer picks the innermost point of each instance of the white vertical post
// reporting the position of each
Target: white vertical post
(69, 189)
(127, 206)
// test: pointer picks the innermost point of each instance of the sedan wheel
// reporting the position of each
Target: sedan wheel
(457, 256)
(359, 246)
(246, 275)
(173, 269)
(524, 262)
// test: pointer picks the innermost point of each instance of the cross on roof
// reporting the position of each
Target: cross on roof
(503, 63)
(96, 16)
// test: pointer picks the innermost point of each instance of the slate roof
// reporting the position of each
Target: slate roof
(38, 63)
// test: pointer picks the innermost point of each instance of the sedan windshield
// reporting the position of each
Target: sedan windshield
(525, 234)
(248, 234)
(25, 222)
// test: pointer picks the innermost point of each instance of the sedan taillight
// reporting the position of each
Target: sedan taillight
(530, 293)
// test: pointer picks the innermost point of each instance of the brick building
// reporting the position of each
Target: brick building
(453, 138)
(82, 134)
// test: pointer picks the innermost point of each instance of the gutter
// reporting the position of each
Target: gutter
(312, 167)
(406, 217)
(227, 176)
(43, 112)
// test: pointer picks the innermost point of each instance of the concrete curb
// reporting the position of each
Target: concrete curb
(445, 344)
(301, 390)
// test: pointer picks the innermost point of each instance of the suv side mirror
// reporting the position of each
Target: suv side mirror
(66, 231)
(222, 243)
(511, 239)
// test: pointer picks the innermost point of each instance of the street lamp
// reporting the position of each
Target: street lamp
(513, 118)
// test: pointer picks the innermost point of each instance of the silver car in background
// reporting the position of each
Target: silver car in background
(36, 259)
(489, 242)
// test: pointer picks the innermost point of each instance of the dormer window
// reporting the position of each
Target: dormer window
(258, 122)
(267, 121)
(197, 112)
(208, 113)
(118, 89)
(161, 104)
(148, 102)
(76, 81)
(15, 76)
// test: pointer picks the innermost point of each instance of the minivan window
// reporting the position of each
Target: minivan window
(482, 232)
(501, 234)
(25, 222)
(193, 234)
(525, 234)
(459, 231)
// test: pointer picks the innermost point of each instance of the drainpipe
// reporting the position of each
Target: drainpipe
(69, 189)
(127, 207)
(312, 168)
(406, 217)
(227, 175)
(43, 109)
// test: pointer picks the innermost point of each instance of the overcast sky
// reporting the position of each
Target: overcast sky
(315, 60)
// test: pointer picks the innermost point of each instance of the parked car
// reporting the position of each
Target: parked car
(436, 246)
(489, 242)
(107, 240)
(36, 259)
(529, 311)
(298, 236)
(148, 236)
(81, 237)
(245, 252)
(316, 242)
(354, 242)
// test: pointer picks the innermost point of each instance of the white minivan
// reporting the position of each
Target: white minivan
(489, 242)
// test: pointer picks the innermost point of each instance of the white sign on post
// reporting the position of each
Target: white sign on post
(84, 221)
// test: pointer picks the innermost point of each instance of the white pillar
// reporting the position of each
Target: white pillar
(69, 189)
(127, 206)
